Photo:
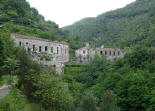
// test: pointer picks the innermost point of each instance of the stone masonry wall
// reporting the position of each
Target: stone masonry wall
(41, 49)
(86, 54)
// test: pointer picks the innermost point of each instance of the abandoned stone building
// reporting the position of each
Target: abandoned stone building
(110, 53)
(86, 54)
(44, 51)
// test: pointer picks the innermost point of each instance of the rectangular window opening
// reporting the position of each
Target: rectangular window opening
(114, 53)
(84, 51)
(61, 50)
(57, 50)
(33, 47)
(29, 50)
(39, 48)
(118, 52)
(101, 52)
(105, 52)
(110, 53)
(51, 49)
(46, 48)
(20, 43)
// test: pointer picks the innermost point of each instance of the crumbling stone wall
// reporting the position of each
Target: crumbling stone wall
(44, 51)
(86, 54)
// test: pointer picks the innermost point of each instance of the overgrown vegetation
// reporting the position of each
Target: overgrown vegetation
(18, 17)
(125, 84)
(131, 25)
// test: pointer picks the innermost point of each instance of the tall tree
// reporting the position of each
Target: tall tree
(109, 101)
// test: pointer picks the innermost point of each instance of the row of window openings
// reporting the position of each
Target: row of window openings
(110, 53)
(20, 43)
(40, 48)
(46, 49)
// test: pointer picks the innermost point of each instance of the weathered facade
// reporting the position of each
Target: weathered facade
(44, 51)
(86, 54)
(110, 53)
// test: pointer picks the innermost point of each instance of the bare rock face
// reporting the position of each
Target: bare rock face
(44, 51)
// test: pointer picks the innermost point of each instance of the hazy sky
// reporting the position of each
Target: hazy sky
(66, 12)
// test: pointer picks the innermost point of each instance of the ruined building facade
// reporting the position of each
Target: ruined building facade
(44, 51)
(86, 54)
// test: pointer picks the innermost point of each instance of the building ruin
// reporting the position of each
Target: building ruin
(44, 51)
(86, 54)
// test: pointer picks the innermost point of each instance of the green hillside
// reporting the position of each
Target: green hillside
(18, 17)
(130, 25)
(124, 84)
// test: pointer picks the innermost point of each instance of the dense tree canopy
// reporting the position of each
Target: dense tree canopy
(124, 84)
(133, 24)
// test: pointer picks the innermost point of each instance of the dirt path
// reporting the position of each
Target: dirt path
(4, 91)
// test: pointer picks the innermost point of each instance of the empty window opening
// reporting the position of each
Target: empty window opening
(39, 48)
(65, 51)
(118, 52)
(33, 47)
(46, 48)
(29, 50)
(114, 53)
(27, 43)
(57, 50)
(20, 43)
(51, 49)
(84, 51)
(105, 52)
(101, 52)
(110, 53)
(61, 50)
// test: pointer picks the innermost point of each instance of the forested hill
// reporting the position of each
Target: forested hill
(130, 25)
(19, 17)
